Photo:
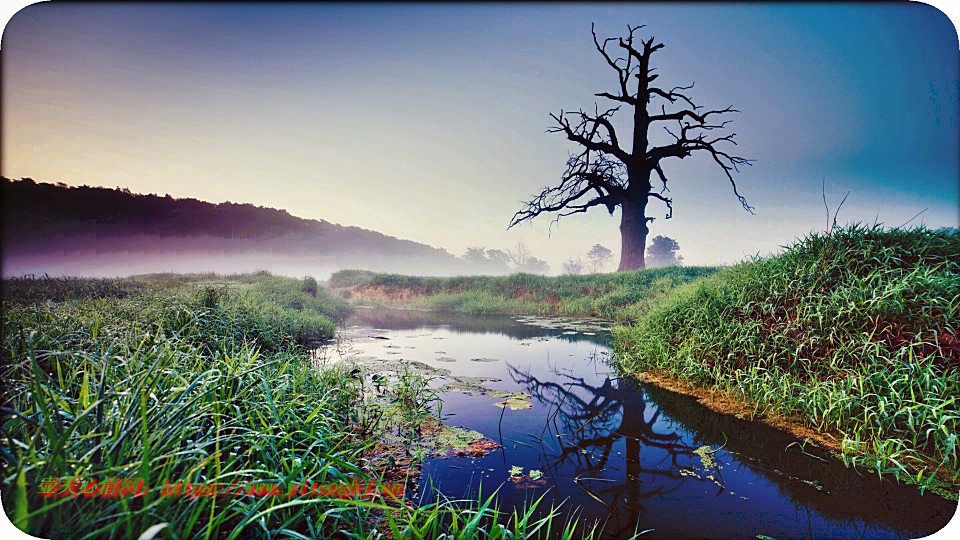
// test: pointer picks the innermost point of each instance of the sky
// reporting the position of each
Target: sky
(429, 122)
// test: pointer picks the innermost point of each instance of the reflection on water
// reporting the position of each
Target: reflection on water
(629, 454)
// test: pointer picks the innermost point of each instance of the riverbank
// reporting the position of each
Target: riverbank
(851, 338)
(623, 297)
(854, 334)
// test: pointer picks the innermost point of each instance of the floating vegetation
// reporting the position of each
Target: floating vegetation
(446, 359)
(533, 479)
(469, 385)
(570, 333)
(454, 441)
(706, 456)
(426, 369)
(710, 465)
(515, 401)
(484, 359)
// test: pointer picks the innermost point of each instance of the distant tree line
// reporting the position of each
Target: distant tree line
(35, 212)
(495, 261)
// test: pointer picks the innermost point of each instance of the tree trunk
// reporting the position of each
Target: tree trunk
(633, 235)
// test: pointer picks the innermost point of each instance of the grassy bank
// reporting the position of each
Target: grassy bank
(854, 334)
(201, 379)
(621, 296)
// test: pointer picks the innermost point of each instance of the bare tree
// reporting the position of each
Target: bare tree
(599, 257)
(519, 254)
(603, 173)
(574, 267)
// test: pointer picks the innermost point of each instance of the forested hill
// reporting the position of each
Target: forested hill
(40, 218)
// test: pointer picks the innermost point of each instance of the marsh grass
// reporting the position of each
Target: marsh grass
(623, 296)
(853, 333)
(160, 388)
(202, 379)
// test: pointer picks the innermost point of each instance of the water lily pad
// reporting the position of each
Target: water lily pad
(446, 359)
(570, 333)
(426, 368)
(484, 359)
(516, 401)
(469, 385)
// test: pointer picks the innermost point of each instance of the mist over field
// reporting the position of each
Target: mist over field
(100, 232)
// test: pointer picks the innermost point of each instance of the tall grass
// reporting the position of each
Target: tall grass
(191, 379)
(621, 296)
(854, 333)
(157, 387)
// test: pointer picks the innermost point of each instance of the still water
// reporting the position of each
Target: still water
(629, 454)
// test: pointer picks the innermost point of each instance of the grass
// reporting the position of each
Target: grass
(621, 296)
(853, 333)
(202, 379)
(162, 386)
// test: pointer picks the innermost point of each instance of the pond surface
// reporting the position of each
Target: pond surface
(629, 454)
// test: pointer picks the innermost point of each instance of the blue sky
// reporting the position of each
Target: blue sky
(428, 122)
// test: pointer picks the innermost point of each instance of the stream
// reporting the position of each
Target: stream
(630, 454)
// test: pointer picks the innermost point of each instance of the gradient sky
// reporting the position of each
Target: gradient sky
(427, 122)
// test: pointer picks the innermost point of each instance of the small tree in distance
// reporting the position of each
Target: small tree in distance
(599, 256)
(574, 267)
(663, 252)
(492, 260)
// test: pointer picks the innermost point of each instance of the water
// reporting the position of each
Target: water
(624, 452)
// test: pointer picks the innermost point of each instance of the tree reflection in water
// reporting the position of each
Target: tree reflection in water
(585, 423)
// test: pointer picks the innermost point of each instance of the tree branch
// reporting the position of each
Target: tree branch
(588, 176)
(586, 132)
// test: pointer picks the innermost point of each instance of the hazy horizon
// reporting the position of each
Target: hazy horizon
(428, 122)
